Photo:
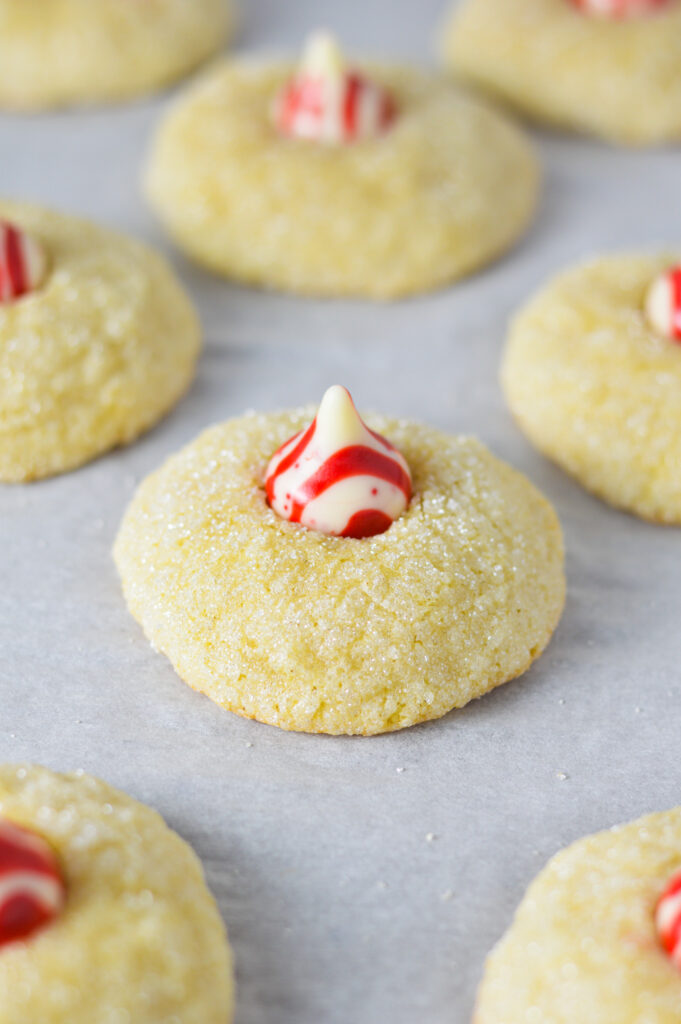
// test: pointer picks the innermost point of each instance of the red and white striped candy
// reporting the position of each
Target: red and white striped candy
(32, 890)
(619, 8)
(668, 919)
(22, 262)
(663, 304)
(337, 476)
(326, 102)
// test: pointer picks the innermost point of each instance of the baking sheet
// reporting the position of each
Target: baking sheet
(361, 880)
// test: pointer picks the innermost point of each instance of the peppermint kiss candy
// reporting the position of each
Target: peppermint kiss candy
(668, 919)
(328, 103)
(32, 889)
(619, 8)
(22, 263)
(663, 304)
(337, 476)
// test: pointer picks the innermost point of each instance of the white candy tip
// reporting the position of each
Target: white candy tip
(338, 422)
(322, 56)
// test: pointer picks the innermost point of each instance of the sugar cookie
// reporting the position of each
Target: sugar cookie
(597, 387)
(93, 354)
(587, 942)
(61, 52)
(610, 68)
(378, 182)
(135, 935)
(336, 634)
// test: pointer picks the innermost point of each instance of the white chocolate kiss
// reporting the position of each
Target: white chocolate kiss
(336, 428)
(663, 304)
(23, 262)
(346, 108)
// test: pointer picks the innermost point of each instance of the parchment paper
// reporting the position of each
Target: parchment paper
(362, 880)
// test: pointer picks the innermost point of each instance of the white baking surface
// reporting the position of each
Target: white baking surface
(362, 880)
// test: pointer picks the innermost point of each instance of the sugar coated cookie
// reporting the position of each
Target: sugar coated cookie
(606, 67)
(62, 52)
(129, 931)
(593, 939)
(592, 373)
(341, 634)
(332, 180)
(97, 341)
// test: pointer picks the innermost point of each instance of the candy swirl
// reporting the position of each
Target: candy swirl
(668, 919)
(663, 304)
(328, 103)
(337, 476)
(32, 889)
(619, 8)
(22, 263)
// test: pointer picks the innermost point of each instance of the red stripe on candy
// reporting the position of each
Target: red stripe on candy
(15, 857)
(351, 100)
(675, 282)
(15, 261)
(20, 916)
(671, 936)
(355, 461)
(287, 462)
(367, 523)
(669, 932)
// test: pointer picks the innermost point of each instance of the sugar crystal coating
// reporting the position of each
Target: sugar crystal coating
(140, 939)
(448, 188)
(583, 944)
(332, 634)
(597, 389)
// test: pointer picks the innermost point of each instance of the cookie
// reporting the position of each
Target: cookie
(377, 181)
(610, 68)
(337, 634)
(589, 940)
(133, 932)
(596, 385)
(92, 354)
(61, 52)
